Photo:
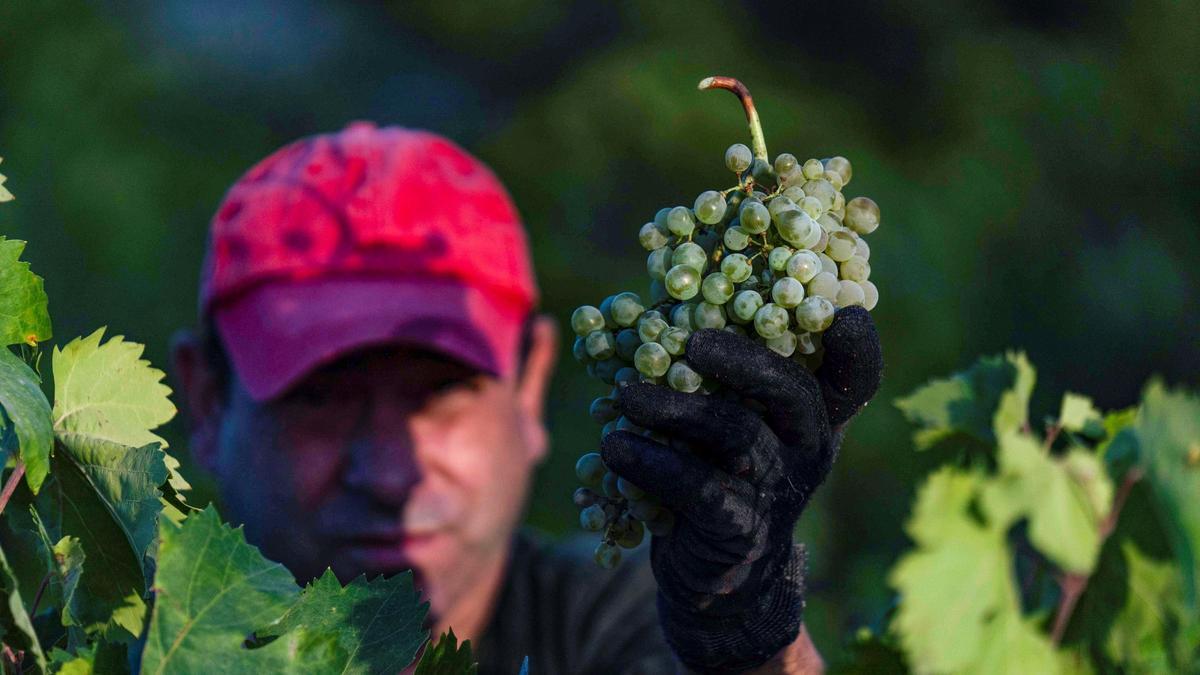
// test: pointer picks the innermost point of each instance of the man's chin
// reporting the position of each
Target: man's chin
(388, 557)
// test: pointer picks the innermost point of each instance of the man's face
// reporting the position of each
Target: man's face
(384, 460)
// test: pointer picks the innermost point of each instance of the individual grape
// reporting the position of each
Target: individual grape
(771, 320)
(813, 169)
(778, 205)
(811, 206)
(828, 264)
(609, 484)
(660, 217)
(794, 193)
(607, 555)
(692, 255)
(778, 257)
(763, 173)
(784, 345)
(593, 518)
(658, 262)
(606, 312)
(586, 319)
(650, 237)
(662, 523)
(681, 316)
(604, 409)
(681, 377)
(683, 282)
(829, 224)
(870, 295)
(752, 283)
(798, 228)
(652, 359)
(709, 207)
(755, 217)
(803, 266)
(862, 215)
(629, 490)
(855, 269)
(746, 304)
(674, 340)
(590, 469)
(862, 249)
(579, 351)
(679, 221)
(584, 497)
(626, 308)
(814, 313)
(849, 294)
(645, 508)
(842, 166)
(633, 535)
(627, 341)
(736, 267)
(649, 329)
(835, 179)
(626, 376)
(607, 369)
(735, 238)
(824, 285)
(738, 158)
(717, 288)
(808, 343)
(822, 190)
(608, 427)
(839, 206)
(708, 315)
(787, 292)
(624, 423)
(785, 163)
(841, 246)
(601, 345)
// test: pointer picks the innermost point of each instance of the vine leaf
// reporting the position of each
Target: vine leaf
(988, 398)
(28, 411)
(1080, 415)
(377, 626)
(1168, 432)
(24, 314)
(15, 625)
(212, 590)
(108, 393)
(1141, 635)
(447, 657)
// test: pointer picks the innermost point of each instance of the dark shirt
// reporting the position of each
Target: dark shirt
(573, 618)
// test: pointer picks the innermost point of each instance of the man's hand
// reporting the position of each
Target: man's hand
(738, 470)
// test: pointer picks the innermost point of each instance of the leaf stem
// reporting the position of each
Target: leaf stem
(10, 486)
(38, 597)
(1074, 584)
(758, 144)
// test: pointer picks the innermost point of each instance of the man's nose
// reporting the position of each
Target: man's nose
(383, 455)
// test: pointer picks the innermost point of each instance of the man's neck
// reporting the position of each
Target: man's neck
(469, 617)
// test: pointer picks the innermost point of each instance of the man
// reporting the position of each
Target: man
(368, 388)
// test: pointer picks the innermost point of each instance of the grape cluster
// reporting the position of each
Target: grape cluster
(771, 258)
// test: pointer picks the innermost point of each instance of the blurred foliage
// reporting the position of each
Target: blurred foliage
(1036, 165)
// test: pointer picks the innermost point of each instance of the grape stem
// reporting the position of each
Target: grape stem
(758, 144)
(11, 486)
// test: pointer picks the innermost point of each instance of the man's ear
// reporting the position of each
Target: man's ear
(535, 380)
(202, 396)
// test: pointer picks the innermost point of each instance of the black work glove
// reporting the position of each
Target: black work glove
(740, 467)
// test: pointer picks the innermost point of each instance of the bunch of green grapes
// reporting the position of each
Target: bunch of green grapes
(771, 258)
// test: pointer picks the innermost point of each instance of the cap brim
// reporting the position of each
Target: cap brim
(279, 332)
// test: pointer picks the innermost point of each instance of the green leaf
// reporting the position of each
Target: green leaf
(212, 590)
(1168, 430)
(1140, 637)
(1078, 414)
(954, 582)
(108, 393)
(990, 396)
(27, 408)
(16, 626)
(377, 625)
(446, 657)
(24, 318)
(1014, 645)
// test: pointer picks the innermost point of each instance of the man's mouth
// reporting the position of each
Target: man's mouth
(387, 550)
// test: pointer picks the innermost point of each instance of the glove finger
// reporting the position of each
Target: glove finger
(681, 481)
(724, 431)
(852, 366)
(789, 392)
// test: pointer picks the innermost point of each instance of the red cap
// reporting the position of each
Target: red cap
(362, 237)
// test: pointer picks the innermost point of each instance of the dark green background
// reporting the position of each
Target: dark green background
(1036, 165)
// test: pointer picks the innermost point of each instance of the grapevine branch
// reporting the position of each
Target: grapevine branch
(1073, 584)
(11, 485)
(758, 144)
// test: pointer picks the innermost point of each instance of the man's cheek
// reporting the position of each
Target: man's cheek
(310, 467)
